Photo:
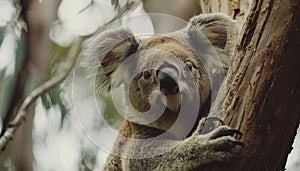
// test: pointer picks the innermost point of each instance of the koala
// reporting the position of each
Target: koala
(169, 82)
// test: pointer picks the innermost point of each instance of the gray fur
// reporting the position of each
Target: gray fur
(98, 47)
(181, 152)
(220, 30)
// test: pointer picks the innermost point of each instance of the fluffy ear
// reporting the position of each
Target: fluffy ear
(105, 52)
(219, 29)
(108, 47)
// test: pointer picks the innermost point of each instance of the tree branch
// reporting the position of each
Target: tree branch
(20, 117)
(21, 114)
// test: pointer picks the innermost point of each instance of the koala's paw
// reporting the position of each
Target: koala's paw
(207, 124)
(219, 144)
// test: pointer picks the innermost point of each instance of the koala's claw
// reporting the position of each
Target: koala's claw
(201, 125)
(221, 143)
(214, 118)
(224, 131)
(201, 129)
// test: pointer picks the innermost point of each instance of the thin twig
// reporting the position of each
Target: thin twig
(21, 114)
(72, 56)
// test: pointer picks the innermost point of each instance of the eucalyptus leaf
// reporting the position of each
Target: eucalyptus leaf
(64, 111)
(57, 100)
(113, 2)
(46, 101)
(2, 73)
(53, 98)
(6, 86)
(125, 8)
(2, 32)
(20, 52)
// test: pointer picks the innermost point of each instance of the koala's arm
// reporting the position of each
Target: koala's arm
(113, 162)
(107, 52)
(187, 154)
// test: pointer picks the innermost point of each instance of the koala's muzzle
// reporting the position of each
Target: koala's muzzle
(166, 76)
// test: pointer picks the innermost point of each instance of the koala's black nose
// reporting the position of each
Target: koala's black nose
(166, 76)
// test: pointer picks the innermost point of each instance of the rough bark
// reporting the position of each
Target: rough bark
(263, 86)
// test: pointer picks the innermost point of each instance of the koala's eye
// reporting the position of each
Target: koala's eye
(146, 74)
(189, 65)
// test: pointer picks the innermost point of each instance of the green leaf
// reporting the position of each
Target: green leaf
(46, 101)
(57, 100)
(115, 3)
(2, 73)
(53, 98)
(125, 8)
(63, 111)
(20, 52)
(6, 87)
(2, 32)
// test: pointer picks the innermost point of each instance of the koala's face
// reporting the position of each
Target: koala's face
(168, 73)
(163, 74)
(168, 68)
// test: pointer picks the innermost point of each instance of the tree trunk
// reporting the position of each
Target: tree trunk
(262, 92)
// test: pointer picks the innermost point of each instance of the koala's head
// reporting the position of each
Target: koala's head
(165, 73)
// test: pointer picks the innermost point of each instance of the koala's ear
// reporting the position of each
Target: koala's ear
(219, 29)
(106, 51)
(109, 47)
